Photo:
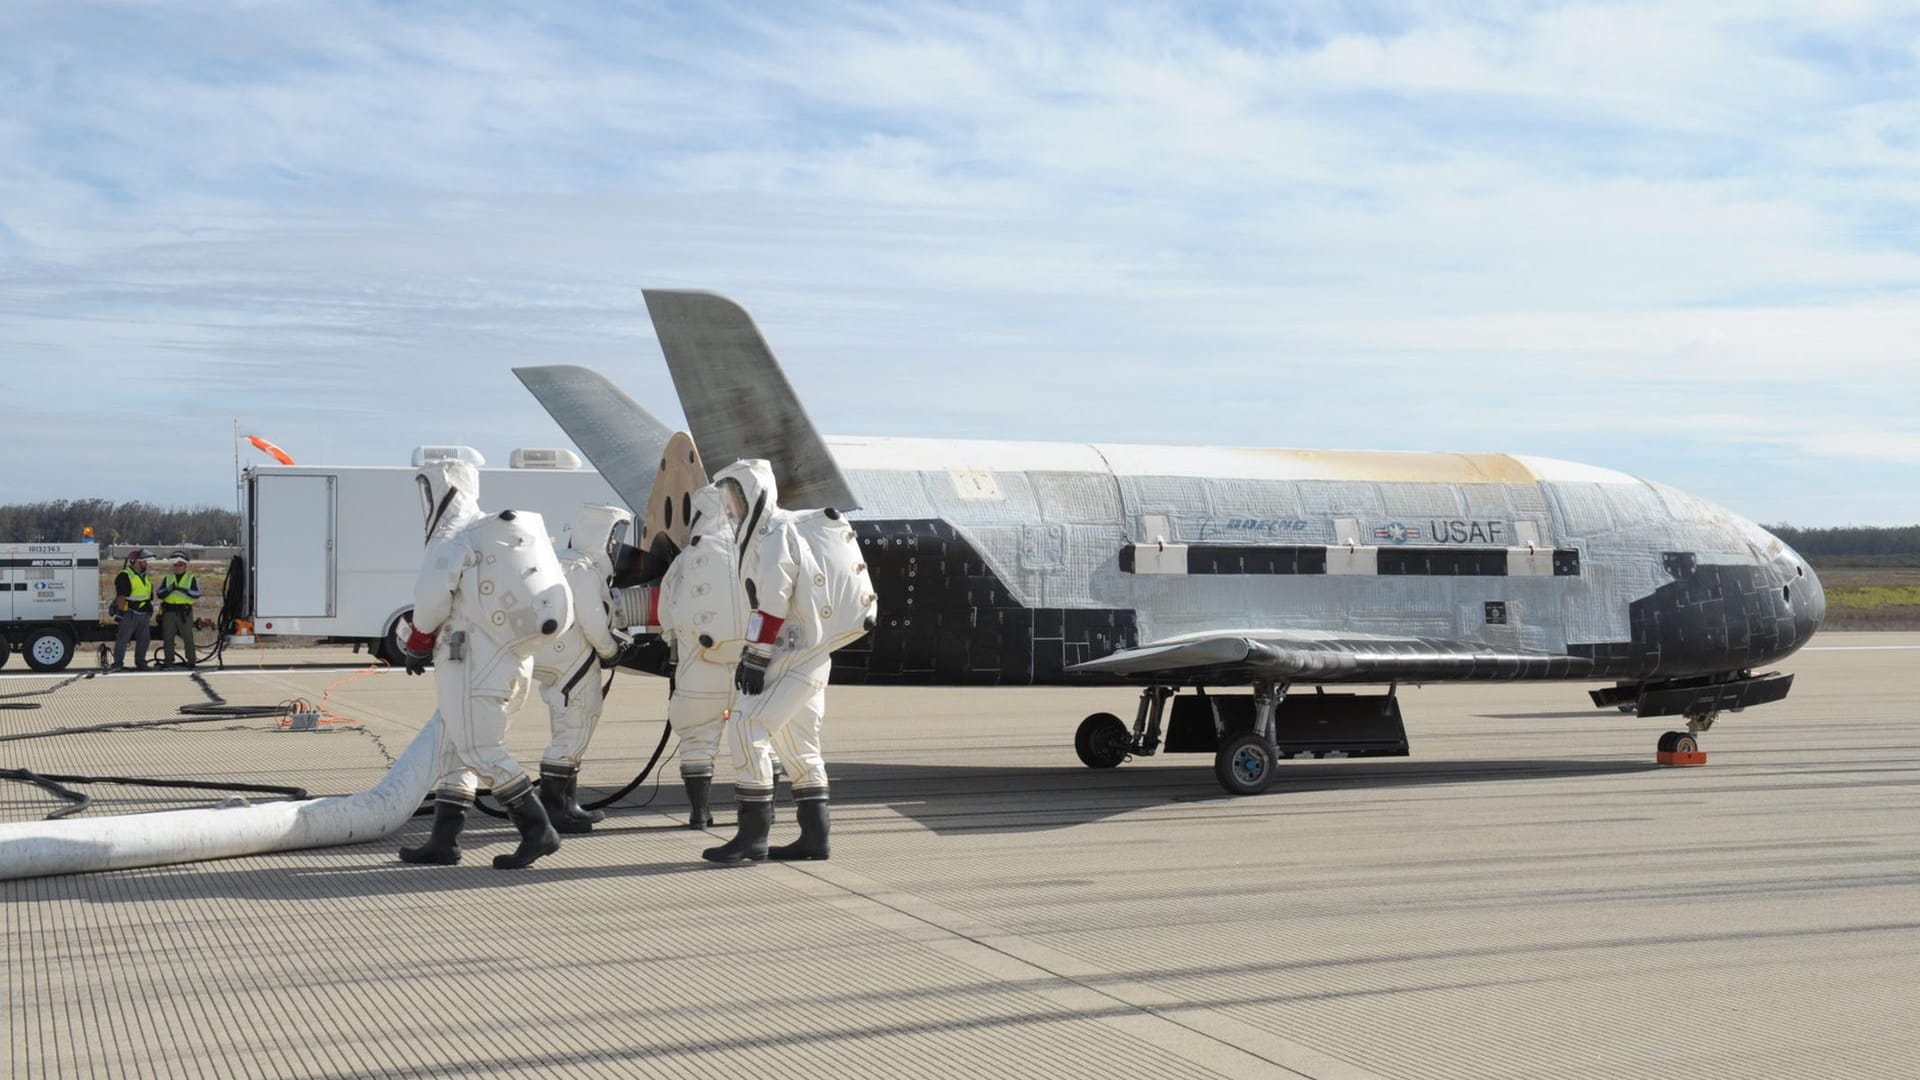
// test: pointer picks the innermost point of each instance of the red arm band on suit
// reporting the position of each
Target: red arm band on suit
(418, 642)
(762, 628)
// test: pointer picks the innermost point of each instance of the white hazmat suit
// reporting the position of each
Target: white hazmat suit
(791, 633)
(703, 617)
(568, 669)
(490, 593)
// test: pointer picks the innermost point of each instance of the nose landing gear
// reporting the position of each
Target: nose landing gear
(1683, 747)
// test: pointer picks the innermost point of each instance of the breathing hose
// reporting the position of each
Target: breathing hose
(661, 748)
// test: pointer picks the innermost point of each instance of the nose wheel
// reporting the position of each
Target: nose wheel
(1680, 748)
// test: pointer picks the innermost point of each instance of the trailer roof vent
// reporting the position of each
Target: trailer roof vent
(528, 458)
(424, 454)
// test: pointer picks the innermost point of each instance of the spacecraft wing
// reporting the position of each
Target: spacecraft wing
(1248, 656)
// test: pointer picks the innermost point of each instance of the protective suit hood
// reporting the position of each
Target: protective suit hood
(595, 533)
(449, 495)
(755, 477)
(707, 515)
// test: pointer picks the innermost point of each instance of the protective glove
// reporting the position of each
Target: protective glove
(650, 655)
(416, 648)
(750, 677)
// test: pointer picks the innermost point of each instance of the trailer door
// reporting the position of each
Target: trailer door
(293, 571)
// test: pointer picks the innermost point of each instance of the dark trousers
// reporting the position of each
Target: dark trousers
(135, 626)
(177, 620)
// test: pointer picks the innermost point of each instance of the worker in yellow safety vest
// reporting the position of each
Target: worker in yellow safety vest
(133, 602)
(177, 592)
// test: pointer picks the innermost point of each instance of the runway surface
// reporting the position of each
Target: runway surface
(1528, 895)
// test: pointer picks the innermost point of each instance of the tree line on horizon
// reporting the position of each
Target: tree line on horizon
(136, 522)
(1851, 540)
(65, 521)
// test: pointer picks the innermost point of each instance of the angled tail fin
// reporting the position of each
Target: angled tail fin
(737, 400)
(621, 439)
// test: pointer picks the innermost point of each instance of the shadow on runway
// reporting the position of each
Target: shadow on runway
(948, 800)
(1586, 714)
(322, 874)
(951, 799)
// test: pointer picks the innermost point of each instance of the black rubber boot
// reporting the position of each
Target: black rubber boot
(573, 799)
(537, 836)
(557, 797)
(811, 809)
(442, 847)
(749, 844)
(699, 814)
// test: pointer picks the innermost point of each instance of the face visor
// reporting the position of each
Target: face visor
(734, 498)
(426, 501)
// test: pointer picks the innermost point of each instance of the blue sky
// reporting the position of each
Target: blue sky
(1679, 240)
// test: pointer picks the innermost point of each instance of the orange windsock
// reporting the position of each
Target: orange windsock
(266, 447)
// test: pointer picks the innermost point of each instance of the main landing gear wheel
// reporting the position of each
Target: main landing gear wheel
(1679, 742)
(1245, 765)
(1103, 741)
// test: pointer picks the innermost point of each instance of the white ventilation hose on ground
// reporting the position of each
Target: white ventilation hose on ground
(81, 845)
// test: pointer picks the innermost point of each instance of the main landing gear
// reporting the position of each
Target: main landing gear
(1103, 740)
(1241, 733)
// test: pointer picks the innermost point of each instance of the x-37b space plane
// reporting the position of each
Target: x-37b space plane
(1245, 575)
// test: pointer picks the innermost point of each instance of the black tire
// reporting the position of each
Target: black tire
(1245, 766)
(386, 648)
(50, 649)
(1685, 743)
(6, 650)
(1103, 741)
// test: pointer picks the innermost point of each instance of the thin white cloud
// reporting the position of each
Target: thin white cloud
(1309, 225)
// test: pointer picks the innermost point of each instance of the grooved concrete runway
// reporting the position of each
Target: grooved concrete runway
(1526, 896)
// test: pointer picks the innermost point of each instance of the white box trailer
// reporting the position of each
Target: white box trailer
(49, 602)
(332, 552)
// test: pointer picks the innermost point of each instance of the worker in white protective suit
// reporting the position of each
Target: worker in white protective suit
(568, 669)
(703, 619)
(490, 594)
(809, 593)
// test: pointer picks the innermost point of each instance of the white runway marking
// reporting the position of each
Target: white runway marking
(1857, 648)
(175, 673)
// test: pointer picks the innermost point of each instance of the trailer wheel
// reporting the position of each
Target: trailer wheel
(386, 648)
(50, 649)
(6, 650)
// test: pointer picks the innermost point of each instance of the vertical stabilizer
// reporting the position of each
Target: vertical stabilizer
(737, 400)
(621, 439)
